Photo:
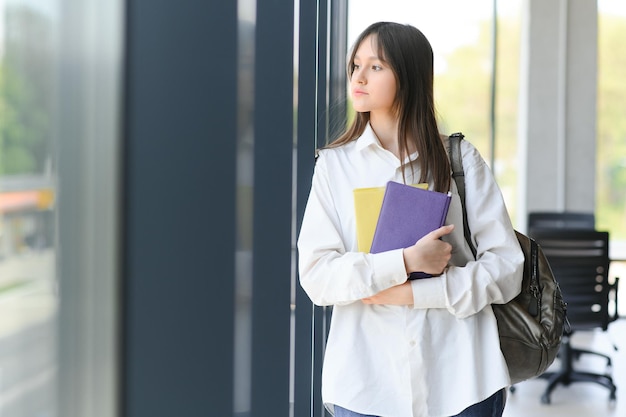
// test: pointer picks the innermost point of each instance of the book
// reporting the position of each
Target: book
(367, 204)
(406, 215)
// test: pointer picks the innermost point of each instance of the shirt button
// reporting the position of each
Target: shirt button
(412, 343)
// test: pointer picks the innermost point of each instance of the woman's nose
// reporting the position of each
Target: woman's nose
(359, 78)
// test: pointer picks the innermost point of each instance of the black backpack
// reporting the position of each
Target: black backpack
(531, 325)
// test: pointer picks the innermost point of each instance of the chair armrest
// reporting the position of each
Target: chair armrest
(613, 288)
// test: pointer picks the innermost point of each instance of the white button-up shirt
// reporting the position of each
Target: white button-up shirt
(439, 355)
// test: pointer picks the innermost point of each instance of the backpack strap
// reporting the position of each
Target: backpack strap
(458, 174)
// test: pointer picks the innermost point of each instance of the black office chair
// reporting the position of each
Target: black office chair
(580, 262)
(561, 220)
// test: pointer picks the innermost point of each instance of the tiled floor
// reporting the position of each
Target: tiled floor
(581, 398)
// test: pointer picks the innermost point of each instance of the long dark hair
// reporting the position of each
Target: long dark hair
(410, 56)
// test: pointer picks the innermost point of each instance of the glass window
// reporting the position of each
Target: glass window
(59, 104)
(28, 296)
(611, 130)
(611, 157)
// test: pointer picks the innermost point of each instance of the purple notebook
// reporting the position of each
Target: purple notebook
(408, 214)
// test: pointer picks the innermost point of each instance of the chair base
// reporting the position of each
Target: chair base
(577, 352)
(567, 378)
(567, 375)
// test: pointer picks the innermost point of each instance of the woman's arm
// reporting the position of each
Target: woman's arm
(329, 273)
(494, 277)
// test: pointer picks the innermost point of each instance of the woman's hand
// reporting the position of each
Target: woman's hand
(397, 295)
(430, 254)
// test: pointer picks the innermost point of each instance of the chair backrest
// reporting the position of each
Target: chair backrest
(580, 262)
(561, 220)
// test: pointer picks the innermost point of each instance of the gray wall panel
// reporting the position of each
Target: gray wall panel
(179, 205)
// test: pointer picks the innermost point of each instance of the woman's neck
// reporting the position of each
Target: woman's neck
(386, 130)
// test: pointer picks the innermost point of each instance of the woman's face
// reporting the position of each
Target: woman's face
(373, 82)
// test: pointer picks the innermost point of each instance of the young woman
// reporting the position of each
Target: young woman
(399, 347)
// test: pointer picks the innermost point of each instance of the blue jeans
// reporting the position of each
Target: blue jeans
(491, 407)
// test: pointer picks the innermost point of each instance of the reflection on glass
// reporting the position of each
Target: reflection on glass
(28, 301)
(245, 189)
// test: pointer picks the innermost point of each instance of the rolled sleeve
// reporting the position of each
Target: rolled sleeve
(389, 268)
(428, 293)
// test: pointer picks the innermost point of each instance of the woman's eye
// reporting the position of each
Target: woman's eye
(355, 67)
(377, 67)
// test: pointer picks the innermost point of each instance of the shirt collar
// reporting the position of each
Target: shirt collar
(369, 139)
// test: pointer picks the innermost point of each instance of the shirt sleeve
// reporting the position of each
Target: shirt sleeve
(494, 277)
(330, 274)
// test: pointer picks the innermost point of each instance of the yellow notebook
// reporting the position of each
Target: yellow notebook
(367, 204)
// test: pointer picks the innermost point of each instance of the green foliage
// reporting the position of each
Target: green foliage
(462, 94)
(23, 127)
(26, 93)
(611, 127)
